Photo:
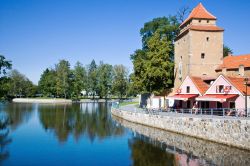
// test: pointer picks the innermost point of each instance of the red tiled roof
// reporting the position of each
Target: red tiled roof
(199, 12)
(233, 62)
(182, 96)
(205, 28)
(200, 84)
(239, 83)
(216, 97)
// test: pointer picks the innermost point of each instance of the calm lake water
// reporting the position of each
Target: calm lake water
(86, 134)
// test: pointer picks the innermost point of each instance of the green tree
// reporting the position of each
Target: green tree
(154, 63)
(153, 69)
(227, 51)
(63, 74)
(79, 79)
(92, 78)
(4, 65)
(105, 75)
(30, 89)
(47, 83)
(131, 89)
(120, 80)
(138, 59)
(4, 81)
(20, 85)
(165, 26)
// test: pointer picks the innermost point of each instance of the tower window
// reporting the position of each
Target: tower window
(202, 55)
(207, 38)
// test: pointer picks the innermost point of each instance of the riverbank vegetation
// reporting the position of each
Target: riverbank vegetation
(61, 81)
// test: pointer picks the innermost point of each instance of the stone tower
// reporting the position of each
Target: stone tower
(198, 47)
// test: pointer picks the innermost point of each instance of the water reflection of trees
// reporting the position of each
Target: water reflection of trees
(90, 119)
(18, 113)
(4, 136)
(11, 116)
(144, 152)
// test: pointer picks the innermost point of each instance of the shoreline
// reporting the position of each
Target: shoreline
(59, 101)
(43, 101)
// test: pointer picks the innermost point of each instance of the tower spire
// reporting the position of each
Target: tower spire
(199, 12)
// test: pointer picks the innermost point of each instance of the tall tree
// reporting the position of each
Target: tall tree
(153, 64)
(165, 26)
(120, 81)
(47, 83)
(17, 83)
(132, 90)
(79, 79)
(20, 85)
(227, 51)
(138, 59)
(153, 69)
(92, 78)
(63, 78)
(105, 74)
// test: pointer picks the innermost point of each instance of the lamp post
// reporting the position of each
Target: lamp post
(246, 81)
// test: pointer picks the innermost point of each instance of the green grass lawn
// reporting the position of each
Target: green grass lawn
(128, 103)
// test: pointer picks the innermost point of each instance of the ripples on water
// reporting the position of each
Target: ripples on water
(86, 134)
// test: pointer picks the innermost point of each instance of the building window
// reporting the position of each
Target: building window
(199, 20)
(221, 88)
(232, 104)
(207, 38)
(202, 55)
(207, 21)
(204, 104)
(188, 89)
(219, 104)
(188, 104)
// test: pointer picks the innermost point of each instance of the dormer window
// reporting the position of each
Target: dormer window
(220, 89)
(188, 89)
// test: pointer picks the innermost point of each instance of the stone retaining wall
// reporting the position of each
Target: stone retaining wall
(230, 131)
(215, 153)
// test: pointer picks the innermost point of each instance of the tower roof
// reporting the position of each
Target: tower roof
(199, 12)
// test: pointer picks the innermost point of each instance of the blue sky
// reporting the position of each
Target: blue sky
(36, 34)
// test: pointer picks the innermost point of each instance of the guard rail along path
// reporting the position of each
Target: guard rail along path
(229, 130)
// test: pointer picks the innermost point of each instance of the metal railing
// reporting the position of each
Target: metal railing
(210, 111)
